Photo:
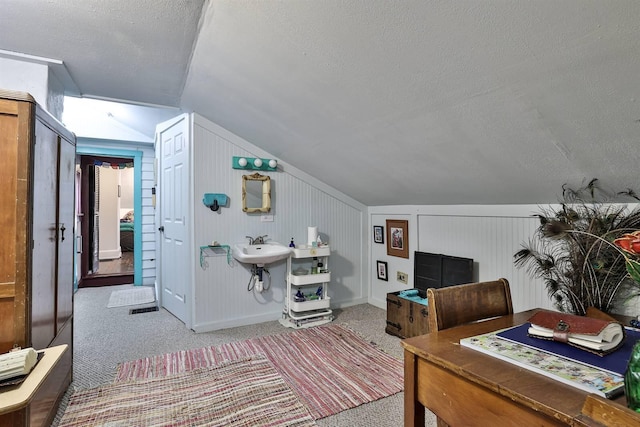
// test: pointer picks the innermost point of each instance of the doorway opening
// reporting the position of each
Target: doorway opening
(107, 220)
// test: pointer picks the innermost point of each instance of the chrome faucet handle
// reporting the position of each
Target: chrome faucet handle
(259, 240)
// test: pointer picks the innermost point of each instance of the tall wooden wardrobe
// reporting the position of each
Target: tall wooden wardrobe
(37, 177)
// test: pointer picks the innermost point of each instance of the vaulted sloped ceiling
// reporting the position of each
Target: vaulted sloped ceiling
(116, 49)
(391, 102)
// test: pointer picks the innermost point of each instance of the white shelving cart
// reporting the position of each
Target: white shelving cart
(307, 302)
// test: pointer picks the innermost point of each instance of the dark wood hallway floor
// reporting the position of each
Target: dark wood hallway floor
(123, 265)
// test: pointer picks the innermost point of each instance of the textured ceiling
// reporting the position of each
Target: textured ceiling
(120, 49)
(391, 102)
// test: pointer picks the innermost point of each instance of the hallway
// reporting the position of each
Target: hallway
(122, 265)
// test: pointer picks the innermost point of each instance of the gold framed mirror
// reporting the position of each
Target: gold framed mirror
(256, 193)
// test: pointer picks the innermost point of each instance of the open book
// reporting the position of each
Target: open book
(592, 334)
(17, 363)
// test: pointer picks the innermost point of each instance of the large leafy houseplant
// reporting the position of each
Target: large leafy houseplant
(586, 250)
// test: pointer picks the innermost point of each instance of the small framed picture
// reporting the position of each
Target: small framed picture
(397, 238)
(382, 271)
(378, 234)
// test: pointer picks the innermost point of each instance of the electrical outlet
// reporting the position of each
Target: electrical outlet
(266, 218)
(401, 277)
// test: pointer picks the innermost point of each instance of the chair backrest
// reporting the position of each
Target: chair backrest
(456, 305)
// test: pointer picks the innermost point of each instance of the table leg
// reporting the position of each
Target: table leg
(413, 410)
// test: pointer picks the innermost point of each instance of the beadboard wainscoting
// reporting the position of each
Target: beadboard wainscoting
(490, 235)
(491, 241)
(221, 298)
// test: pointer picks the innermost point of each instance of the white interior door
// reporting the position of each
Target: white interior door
(172, 146)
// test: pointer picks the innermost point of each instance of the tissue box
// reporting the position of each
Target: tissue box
(406, 317)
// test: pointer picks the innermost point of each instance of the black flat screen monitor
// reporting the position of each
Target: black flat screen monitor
(438, 271)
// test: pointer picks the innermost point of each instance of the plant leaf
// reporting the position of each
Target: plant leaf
(633, 268)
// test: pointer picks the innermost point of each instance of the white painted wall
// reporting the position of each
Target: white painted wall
(93, 118)
(109, 242)
(55, 95)
(220, 297)
(113, 206)
(126, 190)
(37, 80)
(147, 216)
(490, 235)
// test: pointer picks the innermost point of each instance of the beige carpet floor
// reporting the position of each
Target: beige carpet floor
(105, 337)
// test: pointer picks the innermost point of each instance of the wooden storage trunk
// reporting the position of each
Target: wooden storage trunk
(406, 318)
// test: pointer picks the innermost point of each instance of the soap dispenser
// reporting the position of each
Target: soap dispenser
(292, 245)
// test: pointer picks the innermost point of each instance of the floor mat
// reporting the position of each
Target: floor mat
(134, 296)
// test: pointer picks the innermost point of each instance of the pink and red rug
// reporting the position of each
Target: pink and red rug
(245, 392)
(330, 368)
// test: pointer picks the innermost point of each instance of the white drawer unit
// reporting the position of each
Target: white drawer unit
(307, 301)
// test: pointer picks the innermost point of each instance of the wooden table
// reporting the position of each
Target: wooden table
(17, 398)
(464, 387)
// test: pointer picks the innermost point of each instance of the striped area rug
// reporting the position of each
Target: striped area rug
(241, 393)
(330, 368)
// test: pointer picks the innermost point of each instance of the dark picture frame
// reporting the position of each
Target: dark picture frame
(378, 234)
(398, 238)
(382, 271)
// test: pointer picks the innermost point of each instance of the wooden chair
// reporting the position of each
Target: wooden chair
(455, 305)
(598, 411)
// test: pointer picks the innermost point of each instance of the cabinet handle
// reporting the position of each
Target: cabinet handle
(62, 228)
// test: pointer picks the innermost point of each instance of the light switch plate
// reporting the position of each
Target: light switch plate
(266, 218)
(401, 277)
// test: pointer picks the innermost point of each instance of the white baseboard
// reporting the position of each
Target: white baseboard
(110, 254)
(232, 323)
(268, 317)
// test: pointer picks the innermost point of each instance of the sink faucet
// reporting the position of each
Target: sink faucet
(257, 240)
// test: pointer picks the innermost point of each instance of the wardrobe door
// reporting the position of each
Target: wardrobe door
(43, 280)
(14, 121)
(66, 217)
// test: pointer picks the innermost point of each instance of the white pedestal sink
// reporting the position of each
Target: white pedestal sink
(264, 253)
